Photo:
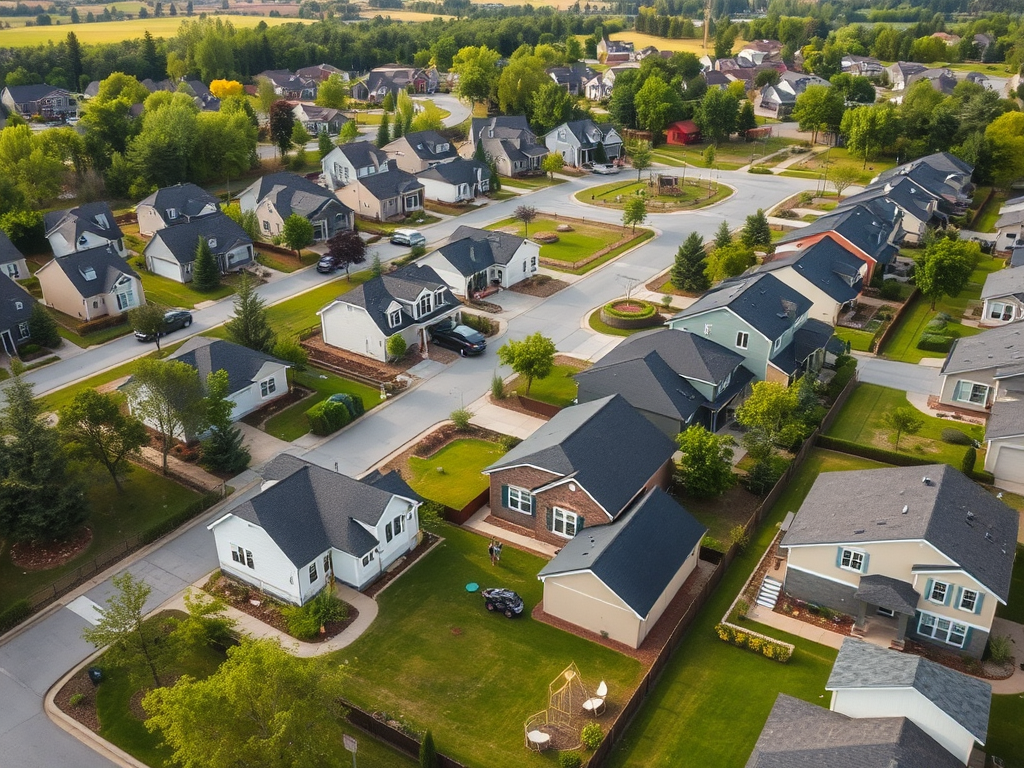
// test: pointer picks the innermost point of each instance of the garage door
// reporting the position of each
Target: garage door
(1010, 465)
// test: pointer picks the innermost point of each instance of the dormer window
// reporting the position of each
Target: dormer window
(89, 273)
(172, 214)
(83, 240)
(394, 318)
(439, 297)
(101, 220)
(426, 305)
(18, 305)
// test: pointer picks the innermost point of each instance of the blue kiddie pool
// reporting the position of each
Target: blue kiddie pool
(472, 586)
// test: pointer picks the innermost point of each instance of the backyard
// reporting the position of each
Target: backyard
(557, 388)
(837, 157)
(496, 671)
(452, 476)
(291, 423)
(693, 194)
(860, 421)
(729, 155)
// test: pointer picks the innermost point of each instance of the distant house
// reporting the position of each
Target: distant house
(308, 526)
(174, 205)
(291, 86)
(942, 80)
(46, 101)
(864, 66)
(508, 141)
(405, 302)
(951, 707)
(596, 580)
(321, 72)
(317, 120)
(201, 95)
(392, 78)
(978, 367)
(584, 468)
(599, 86)
(420, 150)
(172, 251)
(919, 207)
(948, 39)
(715, 79)
(778, 100)
(12, 261)
(348, 162)
(577, 142)
(924, 551)
(614, 51)
(682, 132)
(900, 73)
(1004, 437)
(456, 182)
(472, 260)
(277, 196)
(1009, 229)
(15, 311)
(945, 176)
(673, 379)
(88, 226)
(383, 195)
(1003, 297)
(573, 78)
(91, 284)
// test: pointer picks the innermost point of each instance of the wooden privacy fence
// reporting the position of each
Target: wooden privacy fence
(880, 341)
(459, 516)
(387, 733)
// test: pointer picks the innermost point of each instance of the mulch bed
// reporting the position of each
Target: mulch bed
(426, 542)
(540, 286)
(259, 417)
(32, 556)
(240, 596)
(800, 611)
(85, 711)
(969, 666)
(511, 402)
(357, 364)
(484, 306)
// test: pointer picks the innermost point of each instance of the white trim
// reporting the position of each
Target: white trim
(984, 587)
(792, 567)
(571, 479)
(219, 520)
(489, 470)
(718, 309)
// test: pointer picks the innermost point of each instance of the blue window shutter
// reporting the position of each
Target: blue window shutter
(550, 520)
(864, 564)
(967, 638)
(977, 603)
(959, 594)
(839, 557)
(949, 594)
(928, 589)
(579, 523)
(504, 496)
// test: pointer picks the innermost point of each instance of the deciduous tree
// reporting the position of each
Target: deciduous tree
(297, 233)
(148, 320)
(96, 427)
(477, 68)
(716, 115)
(634, 212)
(281, 122)
(349, 130)
(819, 108)
(869, 129)
(657, 103)
(905, 420)
(945, 268)
(249, 325)
(347, 248)
(1005, 136)
(332, 93)
(532, 358)
(767, 411)
(168, 396)
(842, 176)
(552, 163)
(640, 156)
(526, 214)
(706, 466)
(224, 88)
(728, 261)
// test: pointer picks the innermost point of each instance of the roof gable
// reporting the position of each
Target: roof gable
(241, 363)
(764, 302)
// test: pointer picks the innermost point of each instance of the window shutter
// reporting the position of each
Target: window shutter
(550, 520)
(956, 390)
(839, 557)
(959, 594)
(533, 505)
(864, 563)
(949, 594)
(579, 523)
(967, 638)
(928, 589)
(977, 603)
(504, 496)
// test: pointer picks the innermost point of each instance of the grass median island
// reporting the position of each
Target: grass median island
(435, 658)
(452, 476)
(693, 195)
(291, 423)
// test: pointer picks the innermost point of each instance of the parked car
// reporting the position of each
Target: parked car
(173, 321)
(503, 601)
(409, 237)
(605, 169)
(326, 265)
(458, 338)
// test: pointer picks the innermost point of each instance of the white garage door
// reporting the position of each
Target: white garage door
(1009, 467)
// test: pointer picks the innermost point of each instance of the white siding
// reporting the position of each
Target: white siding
(1005, 460)
(273, 571)
(520, 265)
(455, 280)
(443, 191)
(250, 398)
(349, 327)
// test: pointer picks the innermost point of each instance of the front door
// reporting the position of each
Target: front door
(9, 346)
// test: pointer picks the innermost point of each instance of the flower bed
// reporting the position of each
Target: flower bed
(627, 314)
(755, 641)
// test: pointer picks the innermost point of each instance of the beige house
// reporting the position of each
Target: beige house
(394, 194)
(1004, 438)
(420, 150)
(91, 284)
(978, 367)
(596, 581)
(174, 205)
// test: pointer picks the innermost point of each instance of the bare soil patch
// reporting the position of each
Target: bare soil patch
(540, 286)
(40, 556)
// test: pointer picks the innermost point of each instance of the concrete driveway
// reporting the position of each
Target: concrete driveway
(908, 377)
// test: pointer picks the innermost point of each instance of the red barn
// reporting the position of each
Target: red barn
(683, 132)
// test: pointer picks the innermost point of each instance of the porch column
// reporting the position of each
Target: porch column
(902, 620)
(862, 613)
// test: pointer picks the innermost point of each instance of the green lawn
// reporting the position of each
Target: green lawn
(584, 240)
(531, 182)
(694, 195)
(291, 424)
(557, 388)
(841, 158)
(642, 236)
(1014, 609)
(729, 155)
(859, 340)
(148, 500)
(1006, 730)
(714, 698)
(460, 481)
(169, 293)
(97, 337)
(285, 264)
(860, 421)
(435, 658)
(986, 219)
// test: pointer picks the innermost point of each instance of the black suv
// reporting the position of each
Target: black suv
(173, 320)
(460, 338)
(503, 601)
(326, 265)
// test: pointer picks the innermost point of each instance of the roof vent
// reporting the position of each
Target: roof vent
(859, 530)
(906, 508)
(926, 480)
(970, 515)
(89, 273)
(989, 536)
(880, 522)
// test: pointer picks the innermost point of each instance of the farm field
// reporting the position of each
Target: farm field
(695, 45)
(397, 15)
(116, 31)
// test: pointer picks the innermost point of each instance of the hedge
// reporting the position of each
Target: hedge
(930, 342)
(870, 452)
(327, 417)
(647, 309)
(755, 642)
(14, 615)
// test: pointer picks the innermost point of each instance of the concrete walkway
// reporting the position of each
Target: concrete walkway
(478, 524)
(508, 422)
(176, 466)
(795, 627)
(262, 446)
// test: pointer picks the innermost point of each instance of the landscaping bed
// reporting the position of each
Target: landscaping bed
(41, 556)
(582, 247)
(359, 365)
(427, 541)
(558, 388)
(969, 666)
(826, 618)
(541, 286)
(692, 194)
(290, 422)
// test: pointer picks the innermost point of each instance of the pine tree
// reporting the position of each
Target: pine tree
(478, 152)
(383, 134)
(688, 271)
(249, 325)
(389, 102)
(756, 232)
(222, 450)
(42, 328)
(398, 127)
(723, 237)
(205, 272)
(376, 268)
(428, 752)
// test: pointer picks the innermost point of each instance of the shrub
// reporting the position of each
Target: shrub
(396, 346)
(969, 460)
(460, 418)
(785, 213)
(1000, 649)
(326, 608)
(29, 349)
(301, 623)
(944, 317)
(956, 437)
(497, 387)
(591, 735)
(767, 647)
(890, 290)
(738, 535)
(761, 169)
(292, 352)
(569, 760)
(76, 699)
(870, 452)
(431, 513)
(647, 309)
(712, 543)
(929, 342)
(353, 404)
(327, 417)
(740, 610)
(485, 325)
(764, 475)
(508, 442)
(935, 325)
(417, 251)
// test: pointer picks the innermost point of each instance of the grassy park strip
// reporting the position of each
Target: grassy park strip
(695, 194)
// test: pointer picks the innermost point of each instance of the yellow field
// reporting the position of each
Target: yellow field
(116, 31)
(695, 46)
(396, 15)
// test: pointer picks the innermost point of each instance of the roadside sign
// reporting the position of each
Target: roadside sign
(350, 743)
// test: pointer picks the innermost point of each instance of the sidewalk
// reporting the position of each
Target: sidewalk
(508, 422)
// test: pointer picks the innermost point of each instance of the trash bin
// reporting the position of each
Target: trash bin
(96, 675)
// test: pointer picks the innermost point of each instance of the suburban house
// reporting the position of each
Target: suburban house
(923, 551)
(90, 225)
(865, 66)
(174, 205)
(765, 321)
(944, 175)
(942, 80)
(616, 580)
(779, 100)
(508, 141)
(673, 379)
(1009, 228)
(201, 95)
(383, 195)
(577, 142)
(290, 86)
(172, 251)
(857, 228)
(90, 284)
(614, 51)
(392, 78)
(918, 206)
(308, 526)
(951, 707)
(317, 120)
(573, 78)
(900, 72)
(682, 132)
(15, 310)
(420, 150)
(1003, 294)
(12, 261)
(404, 302)
(46, 101)
(599, 87)
(473, 260)
(584, 468)
(456, 182)
(1004, 438)
(715, 79)
(351, 161)
(321, 72)
(826, 273)
(277, 196)
(800, 733)
(978, 367)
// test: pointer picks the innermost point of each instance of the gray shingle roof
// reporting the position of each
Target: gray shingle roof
(188, 199)
(762, 300)
(363, 154)
(802, 735)
(826, 265)
(310, 509)
(638, 555)
(1006, 418)
(502, 126)
(887, 592)
(426, 145)
(15, 303)
(858, 224)
(471, 250)
(459, 171)
(104, 265)
(863, 665)
(183, 239)
(867, 505)
(1009, 218)
(23, 94)
(910, 196)
(392, 183)
(291, 193)
(689, 355)
(1001, 348)
(207, 355)
(7, 250)
(606, 445)
(74, 222)
(405, 285)
(1005, 282)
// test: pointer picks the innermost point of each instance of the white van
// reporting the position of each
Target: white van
(409, 237)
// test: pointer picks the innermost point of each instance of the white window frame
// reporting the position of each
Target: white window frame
(998, 311)
(11, 268)
(777, 345)
(970, 397)
(242, 556)
(425, 305)
(945, 587)
(930, 625)
(398, 525)
(520, 500)
(849, 557)
(564, 519)
(125, 299)
(314, 576)
(388, 533)
(742, 339)
(707, 329)
(368, 558)
(973, 596)
(394, 318)
(268, 387)
(23, 331)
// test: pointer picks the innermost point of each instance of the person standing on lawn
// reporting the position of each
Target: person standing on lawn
(497, 551)
(491, 551)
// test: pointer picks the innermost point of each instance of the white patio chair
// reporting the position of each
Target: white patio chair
(595, 704)
(538, 740)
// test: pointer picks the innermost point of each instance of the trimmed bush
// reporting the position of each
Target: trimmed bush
(929, 342)
(890, 290)
(569, 760)
(327, 417)
(647, 309)
(485, 325)
(76, 699)
(591, 735)
(935, 325)
(460, 418)
(396, 346)
(352, 403)
(14, 615)
(770, 649)
(956, 437)
(870, 452)
(761, 169)
(969, 460)
(508, 442)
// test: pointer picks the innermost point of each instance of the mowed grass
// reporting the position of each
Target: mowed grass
(170, 293)
(860, 341)
(409, 16)
(695, 194)
(557, 388)
(641, 40)
(729, 155)
(1014, 608)
(1006, 730)
(291, 423)
(713, 698)
(452, 476)
(841, 158)
(435, 658)
(584, 240)
(860, 421)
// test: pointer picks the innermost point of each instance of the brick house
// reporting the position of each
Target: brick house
(583, 468)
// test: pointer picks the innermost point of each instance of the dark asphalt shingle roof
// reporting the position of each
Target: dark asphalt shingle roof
(1006, 418)
(688, 354)
(310, 509)
(1005, 282)
(1001, 348)
(183, 239)
(638, 555)
(22, 94)
(502, 126)
(207, 355)
(762, 300)
(802, 735)
(15, 303)
(363, 154)
(188, 199)
(887, 592)
(861, 506)
(965, 699)
(403, 285)
(910, 196)
(826, 265)
(94, 270)
(8, 252)
(858, 224)
(470, 250)
(392, 183)
(606, 445)
(427, 145)
(458, 171)
(291, 193)
(74, 222)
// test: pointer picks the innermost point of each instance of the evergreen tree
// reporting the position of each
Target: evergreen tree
(688, 271)
(39, 498)
(42, 328)
(756, 232)
(376, 268)
(205, 272)
(222, 450)
(73, 50)
(478, 152)
(383, 134)
(324, 144)
(398, 127)
(428, 752)
(389, 102)
(249, 325)
(723, 236)
(746, 120)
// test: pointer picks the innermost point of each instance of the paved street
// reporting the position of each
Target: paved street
(33, 660)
